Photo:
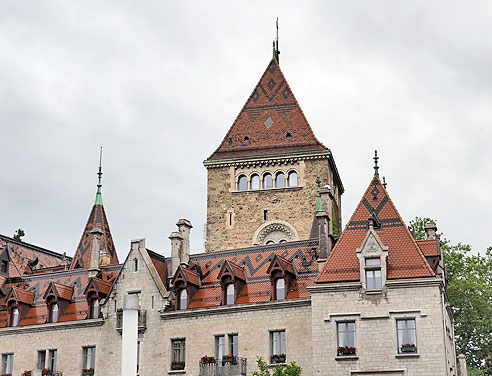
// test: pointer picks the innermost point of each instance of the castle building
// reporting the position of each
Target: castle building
(277, 279)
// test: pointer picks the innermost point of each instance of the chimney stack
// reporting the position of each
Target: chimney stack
(184, 227)
(176, 244)
(325, 228)
(430, 230)
(95, 251)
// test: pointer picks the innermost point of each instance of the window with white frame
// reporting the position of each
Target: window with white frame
(89, 357)
(373, 273)
(41, 359)
(267, 181)
(183, 299)
(277, 342)
(219, 347)
(230, 293)
(255, 182)
(231, 348)
(233, 344)
(7, 363)
(346, 337)
(279, 289)
(52, 357)
(15, 317)
(178, 353)
(407, 335)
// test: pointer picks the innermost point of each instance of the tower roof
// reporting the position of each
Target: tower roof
(405, 259)
(271, 122)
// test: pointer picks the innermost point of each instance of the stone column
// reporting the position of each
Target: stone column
(129, 336)
(176, 240)
(184, 227)
(462, 365)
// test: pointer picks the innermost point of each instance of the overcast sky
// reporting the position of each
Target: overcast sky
(159, 83)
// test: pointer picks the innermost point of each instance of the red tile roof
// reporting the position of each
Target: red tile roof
(429, 247)
(287, 128)
(97, 219)
(405, 259)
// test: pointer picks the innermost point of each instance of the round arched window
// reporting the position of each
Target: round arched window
(54, 312)
(230, 293)
(267, 181)
(280, 289)
(255, 182)
(183, 299)
(293, 179)
(94, 308)
(280, 180)
(15, 316)
(242, 183)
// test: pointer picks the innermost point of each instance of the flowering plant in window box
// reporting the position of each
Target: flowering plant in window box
(87, 371)
(46, 372)
(6, 374)
(229, 359)
(207, 359)
(277, 358)
(408, 347)
(346, 350)
(177, 365)
(26, 373)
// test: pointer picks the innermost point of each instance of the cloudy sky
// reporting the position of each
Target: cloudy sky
(158, 84)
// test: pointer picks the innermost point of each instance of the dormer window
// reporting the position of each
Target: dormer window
(280, 289)
(53, 312)
(183, 299)
(14, 321)
(373, 273)
(230, 294)
(94, 308)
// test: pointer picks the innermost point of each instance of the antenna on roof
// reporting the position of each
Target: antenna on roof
(384, 182)
(376, 167)
(276, 52)
(99, 180)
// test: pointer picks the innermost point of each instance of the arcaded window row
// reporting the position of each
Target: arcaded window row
(266, 181)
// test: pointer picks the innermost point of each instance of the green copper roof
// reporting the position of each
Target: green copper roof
(99, 200)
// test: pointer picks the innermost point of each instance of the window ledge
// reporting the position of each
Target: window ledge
(176, 371)
(273, 365)
(297, 187)
(409, 355)
(347, 357)
(374, 292)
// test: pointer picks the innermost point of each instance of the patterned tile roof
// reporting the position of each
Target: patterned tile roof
(254, 262)
(405, 259)
(429, 247)
(271, 122)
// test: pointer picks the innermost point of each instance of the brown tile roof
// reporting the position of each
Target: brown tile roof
(160, 265)
(254, 262)
(287, 129)
(405, 259)
(97, 219)
(429, 247)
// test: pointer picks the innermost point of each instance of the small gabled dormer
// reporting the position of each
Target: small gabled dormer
(372, 257)
(57, 298)
(185, 283)
(232, 279)
(18, 302)
(4, 261)
(95, 292)
(282, 276)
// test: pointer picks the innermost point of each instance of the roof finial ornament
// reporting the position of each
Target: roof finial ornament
(376, 167)
(384, 182)
(276, 52)
(99, 180)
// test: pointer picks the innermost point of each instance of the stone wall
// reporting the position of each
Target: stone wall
(234, 216)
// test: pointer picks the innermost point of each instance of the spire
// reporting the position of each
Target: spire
(98, 200)
(376, 167)
(276, 52)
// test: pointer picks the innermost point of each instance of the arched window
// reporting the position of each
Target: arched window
(230, 294)
(293, 179)
(54, 312)
(267, 181)
(15, 316)
(242, 183)
(94, 308)
(280, 289)
(280, 180)
(255, 182)
(270, 242)
(183, 299)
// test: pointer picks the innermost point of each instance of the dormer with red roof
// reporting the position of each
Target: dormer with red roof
(263, 177)
(282, 276)
(18, 302)
(57, 298)
(95, 292)
(185, 283)
(232, 279)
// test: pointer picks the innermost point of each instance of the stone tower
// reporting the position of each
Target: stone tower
(264, 177)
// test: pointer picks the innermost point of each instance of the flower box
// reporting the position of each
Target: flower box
(26, 373)
(207, 359)
(231, 359)
(6, 374)
(277, 358)
(177, 366)
(345, 350)
(87, 371)
(408, 348)
(46, 372)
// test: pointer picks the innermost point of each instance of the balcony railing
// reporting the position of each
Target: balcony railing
(142, 320)
(220, 368)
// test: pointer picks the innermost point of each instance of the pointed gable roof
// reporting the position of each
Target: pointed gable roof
(405, 259)
(271, 122)
(97, 219)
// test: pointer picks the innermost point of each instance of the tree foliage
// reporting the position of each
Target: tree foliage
(19, 233)
(469, 291)
(288, 370)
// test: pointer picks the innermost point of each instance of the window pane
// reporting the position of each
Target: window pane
(242, 184)
(54, 312)
(377, 278)
(95, 309)
(255, 182)
(369, 279)
(41, 359)
(280, 289)
(183, 299)
(293, 179)
(280, 180)
(219, 346)
(373, 261)
(15, 316)
(234, 344)
(52, 359)
(230, 294)
(267, 181)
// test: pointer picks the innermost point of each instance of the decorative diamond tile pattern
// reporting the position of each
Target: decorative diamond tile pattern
(268, 122)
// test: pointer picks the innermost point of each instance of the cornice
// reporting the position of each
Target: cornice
(89, 323)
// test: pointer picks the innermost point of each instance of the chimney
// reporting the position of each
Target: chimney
(462, 365)
(95, 251)
(326, 204)
(325, 230)
(430, 230)
(176, 244)
(184, 227)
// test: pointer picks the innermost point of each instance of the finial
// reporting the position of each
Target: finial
(384, 182)
(98, 200)
(376, 167)
(276, 52)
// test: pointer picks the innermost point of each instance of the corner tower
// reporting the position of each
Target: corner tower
(264, 176)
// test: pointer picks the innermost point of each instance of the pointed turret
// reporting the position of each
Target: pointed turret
(97, 225)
